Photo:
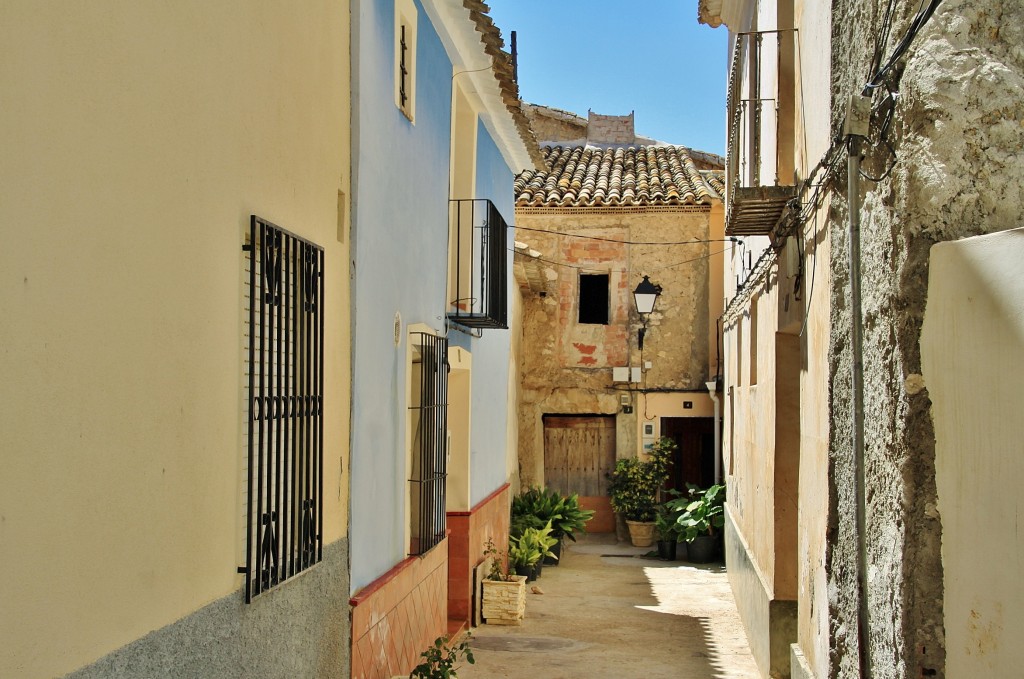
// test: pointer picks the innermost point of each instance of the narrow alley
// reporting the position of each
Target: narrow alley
(606, 611)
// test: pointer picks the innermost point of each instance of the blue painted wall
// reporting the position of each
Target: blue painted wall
(490, 352)
(400, 224)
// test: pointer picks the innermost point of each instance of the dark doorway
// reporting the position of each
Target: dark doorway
(694, 460)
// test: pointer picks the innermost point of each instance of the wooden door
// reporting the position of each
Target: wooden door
(694, 460)
(579, 453)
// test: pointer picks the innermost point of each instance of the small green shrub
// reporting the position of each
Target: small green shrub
(635, 483)
(439, 661)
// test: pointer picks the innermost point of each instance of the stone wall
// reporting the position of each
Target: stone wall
(555, 125)
(297, 629)
(957, 134)
(567, 366)
(604, 129)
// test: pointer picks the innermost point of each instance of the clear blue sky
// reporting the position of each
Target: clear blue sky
(617, 56)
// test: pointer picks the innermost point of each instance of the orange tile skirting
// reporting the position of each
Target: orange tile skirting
(604, 517)
(469, 533)
(397, 616)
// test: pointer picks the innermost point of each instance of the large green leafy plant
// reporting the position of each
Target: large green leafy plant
(704, 514)
(666, 518)
(635, 483)
(536, 507)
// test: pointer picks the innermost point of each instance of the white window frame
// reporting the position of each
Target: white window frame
(406, 16)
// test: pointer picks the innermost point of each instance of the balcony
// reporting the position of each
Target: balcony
(760, 173)
(478, 253)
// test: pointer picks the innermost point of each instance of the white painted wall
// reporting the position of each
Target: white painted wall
(972, 347)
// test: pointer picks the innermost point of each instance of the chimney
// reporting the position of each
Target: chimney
(610, 129)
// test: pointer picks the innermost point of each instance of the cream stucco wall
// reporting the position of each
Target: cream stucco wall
(971, 344)
(813, 125)
(138, 139)
(776, 403)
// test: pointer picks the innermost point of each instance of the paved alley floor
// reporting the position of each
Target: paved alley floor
(606, 612)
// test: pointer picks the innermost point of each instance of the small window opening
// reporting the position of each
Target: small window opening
(594, 299)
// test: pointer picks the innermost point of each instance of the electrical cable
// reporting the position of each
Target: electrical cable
(629, 271)
(695, 241)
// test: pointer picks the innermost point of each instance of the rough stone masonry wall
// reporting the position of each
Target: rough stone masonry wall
(958, 135)
(553, 125)
(567, 366)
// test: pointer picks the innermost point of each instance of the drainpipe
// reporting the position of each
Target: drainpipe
(858, 114)
(712, 386)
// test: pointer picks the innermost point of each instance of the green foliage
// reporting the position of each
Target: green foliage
(635, 483)
(535, 507)
(574, 519)
(704, 513)
(530, 547)
(666, 517)
(495, 573)
(440, 660)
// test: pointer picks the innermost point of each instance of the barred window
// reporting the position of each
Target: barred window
(405, 57)
(428, 409)
(284, 518)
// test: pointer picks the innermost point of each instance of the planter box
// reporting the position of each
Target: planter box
(505, 601)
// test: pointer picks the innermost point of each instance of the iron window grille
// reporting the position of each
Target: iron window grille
(284, 524)
(479, 261)
(404, 72)
(429, 422)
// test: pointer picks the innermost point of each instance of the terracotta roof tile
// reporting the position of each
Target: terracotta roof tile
(585, 176)
(501, 64)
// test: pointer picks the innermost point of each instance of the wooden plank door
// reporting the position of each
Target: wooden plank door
(579, 452)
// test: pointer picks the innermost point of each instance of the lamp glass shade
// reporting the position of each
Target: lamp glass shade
(645, 295)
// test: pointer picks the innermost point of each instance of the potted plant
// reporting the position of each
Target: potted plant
(504, 594)
(536, 507)
(524, 554)
(703, 517)
(530, 548)
(667, 528)
(634, 487)
(439, 661)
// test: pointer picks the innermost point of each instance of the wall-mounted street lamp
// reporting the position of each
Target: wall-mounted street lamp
(644, 296)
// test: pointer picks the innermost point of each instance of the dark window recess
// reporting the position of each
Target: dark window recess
(594, 298)
(479, 257)
(284, 526)
(429, 424)
(403, 71)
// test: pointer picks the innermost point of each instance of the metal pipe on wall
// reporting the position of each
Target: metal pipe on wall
(712, 386)
(857, 337)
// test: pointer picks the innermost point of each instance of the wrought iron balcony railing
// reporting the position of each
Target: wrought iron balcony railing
(478, 264)
(761, 97)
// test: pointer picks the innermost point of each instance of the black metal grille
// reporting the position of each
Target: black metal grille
(479, 261)
(285, 407)
(403, 71)
(429, 410)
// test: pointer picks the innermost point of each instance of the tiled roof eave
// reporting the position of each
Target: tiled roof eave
(472, 40)
(582, 177)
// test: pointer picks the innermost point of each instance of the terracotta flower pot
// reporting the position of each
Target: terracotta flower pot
(641, 533)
